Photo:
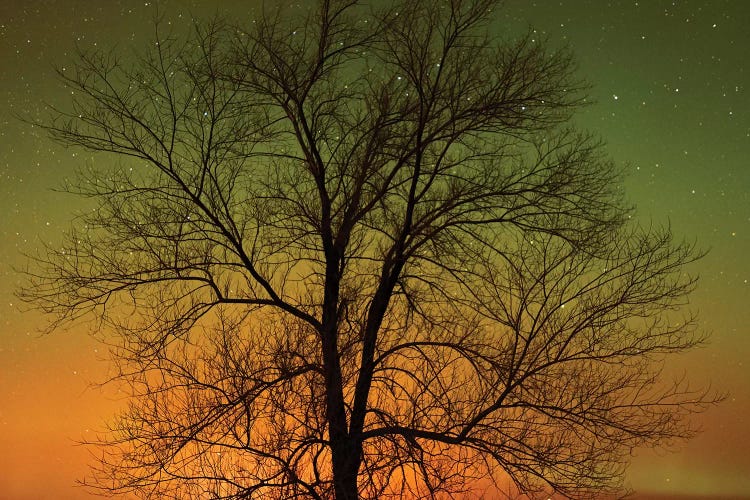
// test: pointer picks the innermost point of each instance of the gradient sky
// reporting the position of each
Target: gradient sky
(671, 86)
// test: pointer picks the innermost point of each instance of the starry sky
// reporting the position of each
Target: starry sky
(670, 96)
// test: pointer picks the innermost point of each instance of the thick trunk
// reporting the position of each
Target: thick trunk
(345, 451)
(344, 454)
(346, 462)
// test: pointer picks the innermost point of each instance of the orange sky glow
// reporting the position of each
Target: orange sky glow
(671, 81)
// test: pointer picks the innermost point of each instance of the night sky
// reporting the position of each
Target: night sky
(671, 98)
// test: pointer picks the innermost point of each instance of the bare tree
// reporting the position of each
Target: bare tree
(359, 253)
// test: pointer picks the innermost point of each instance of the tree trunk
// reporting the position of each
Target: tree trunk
(346, 462)
(345, 450)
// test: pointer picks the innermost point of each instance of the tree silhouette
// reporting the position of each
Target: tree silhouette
(358, 252)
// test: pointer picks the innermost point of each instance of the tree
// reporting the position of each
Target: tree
(361, 252)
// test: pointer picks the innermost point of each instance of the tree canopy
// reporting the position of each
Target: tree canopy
(358, 250)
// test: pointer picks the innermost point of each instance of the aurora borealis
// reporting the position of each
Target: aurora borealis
(669, 91)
